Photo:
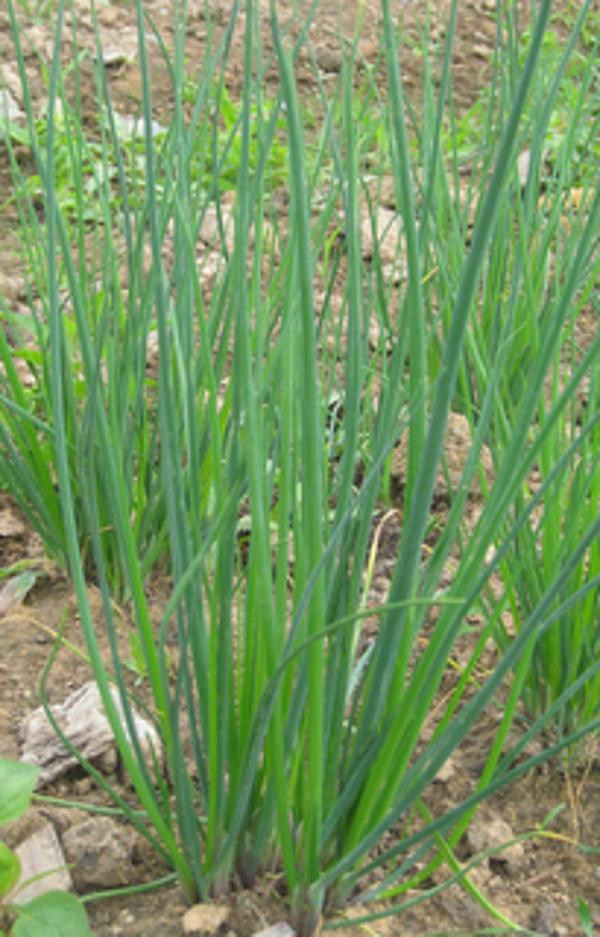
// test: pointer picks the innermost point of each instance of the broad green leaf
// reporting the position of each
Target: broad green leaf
(10, 868)
(55, 914)
(17, 781)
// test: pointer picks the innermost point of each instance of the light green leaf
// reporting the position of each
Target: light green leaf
(17, 781)
(10, 869)
(585, 918)
(55, 914)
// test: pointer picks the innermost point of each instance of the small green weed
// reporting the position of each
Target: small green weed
(466, 135)
(91, 169)
(228, 141)
(55, 912)
(585, 918)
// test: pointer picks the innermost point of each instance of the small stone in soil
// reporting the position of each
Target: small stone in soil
(282, 929)
(489, 832)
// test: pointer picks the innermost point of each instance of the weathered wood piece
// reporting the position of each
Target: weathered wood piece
(82, 719)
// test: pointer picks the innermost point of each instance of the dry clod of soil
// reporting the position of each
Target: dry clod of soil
(546, 920)
(488, 832)
(108, 16)
(82, 719)
(329, 57)
(210, 232)
(102, 854)
(457, 446)
(447, 771)
(204, 920)
(11, 83)
(385, 236)
(12, 523)
(9, 108)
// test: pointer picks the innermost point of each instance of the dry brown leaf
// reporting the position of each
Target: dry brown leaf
(14, 591)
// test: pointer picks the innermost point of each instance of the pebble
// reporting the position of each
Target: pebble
(282, 929)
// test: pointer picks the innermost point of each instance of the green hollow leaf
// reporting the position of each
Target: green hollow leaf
(17, 781)
(55, 914)
(10, 869)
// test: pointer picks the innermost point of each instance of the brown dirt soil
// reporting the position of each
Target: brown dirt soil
(536, 886)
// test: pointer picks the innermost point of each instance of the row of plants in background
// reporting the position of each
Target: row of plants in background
(578, 93)
(552, 212)
(88, 169)
(293, 741)
(97, 179)
(566, 487)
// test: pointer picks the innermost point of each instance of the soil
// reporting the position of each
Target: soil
(536, 886)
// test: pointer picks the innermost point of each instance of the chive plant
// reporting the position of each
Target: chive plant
(293, 741)
(548, 217)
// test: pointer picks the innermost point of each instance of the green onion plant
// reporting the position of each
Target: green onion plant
(557, 201)
(250, 459)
